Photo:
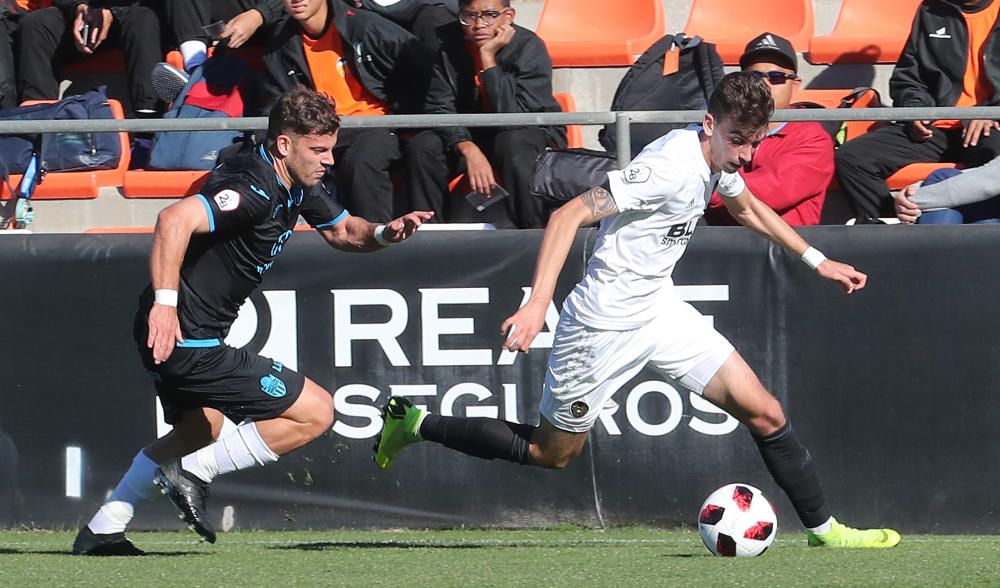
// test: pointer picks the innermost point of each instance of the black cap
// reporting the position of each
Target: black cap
(772, 48)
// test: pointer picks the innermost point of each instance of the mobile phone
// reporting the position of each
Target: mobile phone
(85, 34)
(483, 201)
(215, 30)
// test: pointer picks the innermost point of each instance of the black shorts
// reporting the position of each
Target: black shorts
(237, 383)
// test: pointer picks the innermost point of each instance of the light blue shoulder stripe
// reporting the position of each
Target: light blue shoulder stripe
(208, 209)
(339, 218)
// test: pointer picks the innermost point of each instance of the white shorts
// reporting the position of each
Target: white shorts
(587, 366)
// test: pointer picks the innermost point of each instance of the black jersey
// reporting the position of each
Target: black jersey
(251, 215)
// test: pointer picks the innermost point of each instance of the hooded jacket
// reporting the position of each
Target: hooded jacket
(393, 65)
(931, 68)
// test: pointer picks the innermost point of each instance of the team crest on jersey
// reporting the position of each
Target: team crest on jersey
(579, 408)
(227, 200)
(636, 174)
(272, 386)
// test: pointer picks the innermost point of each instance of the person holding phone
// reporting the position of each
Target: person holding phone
(76, 29)
(486, 63)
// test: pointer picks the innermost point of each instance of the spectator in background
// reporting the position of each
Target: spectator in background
(952, 197)
(11, 12)
(56, 34)
(942, 64)
(793, 166)
(487, 64)
(369, 66)
(420, 17)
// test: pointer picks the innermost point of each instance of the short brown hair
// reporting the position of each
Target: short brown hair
(744, 99)
(303, 112)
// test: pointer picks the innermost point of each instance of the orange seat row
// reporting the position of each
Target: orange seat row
(592, 34)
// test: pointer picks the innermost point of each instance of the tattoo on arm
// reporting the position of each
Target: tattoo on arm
(599, 202)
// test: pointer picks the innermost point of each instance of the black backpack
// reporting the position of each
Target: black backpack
(645, 87)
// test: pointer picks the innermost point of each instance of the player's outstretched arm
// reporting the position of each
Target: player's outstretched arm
(523, 326)
(758, 217)
(356, 235)
(174, 227)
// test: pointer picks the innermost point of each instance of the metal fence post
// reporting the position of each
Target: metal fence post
(623, 139)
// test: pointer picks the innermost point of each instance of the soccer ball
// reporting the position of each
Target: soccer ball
(737, 521)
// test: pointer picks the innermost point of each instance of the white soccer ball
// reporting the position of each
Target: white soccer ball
(737, 521)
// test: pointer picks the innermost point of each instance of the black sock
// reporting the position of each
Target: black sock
(479, 437)
(792, 468)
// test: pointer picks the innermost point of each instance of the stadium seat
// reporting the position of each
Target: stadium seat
(599, 34)
(140, 183)
(865, 32)
(78, 185)
(915, 172)
(731, 24)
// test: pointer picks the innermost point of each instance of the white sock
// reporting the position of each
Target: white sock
(824, 528)
(136, 486)
(194, 53)
(243, 448)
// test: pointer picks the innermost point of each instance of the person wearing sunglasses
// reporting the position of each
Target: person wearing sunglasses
(486, 64)
(794, 163)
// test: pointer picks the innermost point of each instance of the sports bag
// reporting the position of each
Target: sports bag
(215, 90)
(675, 73)
(59, 152)
(562, 174)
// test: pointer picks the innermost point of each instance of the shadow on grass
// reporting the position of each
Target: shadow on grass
(325, 545)
(67, 553)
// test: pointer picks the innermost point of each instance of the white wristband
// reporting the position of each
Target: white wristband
(165, 296)
(813, 257)
(379, 238)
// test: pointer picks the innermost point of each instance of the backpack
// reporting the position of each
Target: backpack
(216, 90)
(562, 174)
(59, 152)
(842, 131)
(675, 73)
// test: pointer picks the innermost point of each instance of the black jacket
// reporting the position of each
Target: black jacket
(393, 65)
(404, 11)
(520, 82)
(932, 65)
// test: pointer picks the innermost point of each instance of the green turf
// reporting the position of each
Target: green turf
(559, 557)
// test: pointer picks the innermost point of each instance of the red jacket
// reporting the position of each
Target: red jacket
(789, 172)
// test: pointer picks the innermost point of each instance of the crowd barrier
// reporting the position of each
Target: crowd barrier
(893, 388)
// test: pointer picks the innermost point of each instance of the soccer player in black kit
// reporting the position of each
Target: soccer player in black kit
(210, 251)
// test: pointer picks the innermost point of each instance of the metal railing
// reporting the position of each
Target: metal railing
(622, 121)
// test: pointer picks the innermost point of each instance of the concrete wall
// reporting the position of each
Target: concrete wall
(592, 88)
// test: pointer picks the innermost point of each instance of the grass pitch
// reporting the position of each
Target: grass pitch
(557, 557)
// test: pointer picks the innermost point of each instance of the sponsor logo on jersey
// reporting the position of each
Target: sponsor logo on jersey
(636, 174)
(272, 386)
(227, 200)
(679, 234)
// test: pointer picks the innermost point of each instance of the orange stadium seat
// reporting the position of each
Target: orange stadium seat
(866, 32)
(597, 34)
(78, 185)
(915, 172)
(140, 183)
(731, 24)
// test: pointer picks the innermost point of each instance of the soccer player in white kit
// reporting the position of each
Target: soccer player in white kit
(625, 314)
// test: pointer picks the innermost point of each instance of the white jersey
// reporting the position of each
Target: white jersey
(660, 197)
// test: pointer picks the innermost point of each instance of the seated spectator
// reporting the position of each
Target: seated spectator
(317, 47)
(942, 64)
(76, 29)
(488, 64)
(793, 166)
(11, 12)
(194, 25)
(952, 197)
(420, 17)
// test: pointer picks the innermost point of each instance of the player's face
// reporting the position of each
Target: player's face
(731, 147)
(481, 20)
(302, 10)
(309, 157)
(776, 77)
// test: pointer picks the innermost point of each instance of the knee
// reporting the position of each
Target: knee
(423, 147)
(553, 459)
(143, 23)
(767, 419)
(324, 414)
(940, 175)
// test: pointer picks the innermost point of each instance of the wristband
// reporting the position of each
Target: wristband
(379, 238)
(813, 257)
(165, 296)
